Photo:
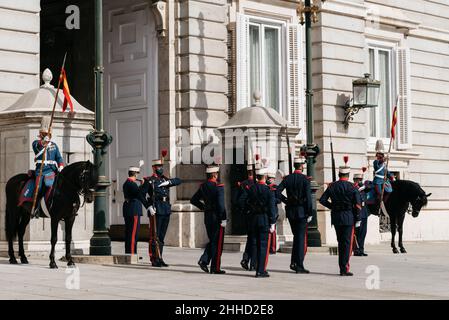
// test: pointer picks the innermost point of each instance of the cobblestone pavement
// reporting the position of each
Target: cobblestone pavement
(423, 273)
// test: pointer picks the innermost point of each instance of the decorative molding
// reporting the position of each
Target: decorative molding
(159, 9)
(345, 8)
(426, 32)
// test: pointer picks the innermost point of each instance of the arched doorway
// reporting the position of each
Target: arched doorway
(130, 92)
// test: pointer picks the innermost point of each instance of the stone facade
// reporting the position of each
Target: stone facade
(198, 72)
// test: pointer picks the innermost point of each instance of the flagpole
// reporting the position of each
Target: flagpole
(388, 160)
(44, 155)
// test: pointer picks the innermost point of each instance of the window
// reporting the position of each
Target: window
(269, 59)
(265, 64)
(381, 68)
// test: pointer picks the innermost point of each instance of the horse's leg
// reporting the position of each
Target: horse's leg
(54, 239)
(25, 219)
(400, 230)
(393, 234)
(11, 234)
(68, 240)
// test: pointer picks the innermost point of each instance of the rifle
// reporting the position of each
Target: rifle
(290, 160)
(334, 175)
(44, 154)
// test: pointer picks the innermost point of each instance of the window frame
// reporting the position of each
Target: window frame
(393, 78)
(280, 25)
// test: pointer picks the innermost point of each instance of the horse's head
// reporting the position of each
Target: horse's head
(88, 180)
(419, 202)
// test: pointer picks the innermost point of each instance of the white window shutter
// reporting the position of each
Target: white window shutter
(242, 61)
(404, 129)
(295, 81)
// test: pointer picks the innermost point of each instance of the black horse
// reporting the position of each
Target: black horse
(74, 180)
(405, 194)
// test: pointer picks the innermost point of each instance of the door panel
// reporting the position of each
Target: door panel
(130, 61)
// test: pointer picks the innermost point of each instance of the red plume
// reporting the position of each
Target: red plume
(164, 153)
(346, 159)
(257, 157)
(364, 169)
(303, 153)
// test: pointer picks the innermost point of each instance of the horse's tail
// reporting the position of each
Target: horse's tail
(13, 189)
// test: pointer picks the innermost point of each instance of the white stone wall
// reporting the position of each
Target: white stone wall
(19, 48)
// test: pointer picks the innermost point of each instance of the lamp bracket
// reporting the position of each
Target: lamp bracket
(350, 111)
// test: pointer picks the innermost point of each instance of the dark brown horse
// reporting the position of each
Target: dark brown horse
(74, 180)
(405, 194)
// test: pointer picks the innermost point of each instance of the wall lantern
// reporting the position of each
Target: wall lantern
(365, 93)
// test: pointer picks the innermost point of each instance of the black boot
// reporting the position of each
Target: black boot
(244, 264)
(203, 266)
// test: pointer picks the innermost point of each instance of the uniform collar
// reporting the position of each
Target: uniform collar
(344, 179)
(212, 180)
(155, 175)
(297, 171)
(132, 179)
(262, 182)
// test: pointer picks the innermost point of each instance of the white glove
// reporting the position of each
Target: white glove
(309, 218)
(164, 184)
(151, 210)
(358, 223)
(60, 168)
(223, 223)
(272, 228)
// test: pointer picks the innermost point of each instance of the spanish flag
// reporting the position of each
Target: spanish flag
(66, 91)
(394, 122)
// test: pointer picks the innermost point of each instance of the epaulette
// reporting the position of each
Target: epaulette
(273, 188)
(247, 187)
(239, 183)
(309, 178)
(220, 185)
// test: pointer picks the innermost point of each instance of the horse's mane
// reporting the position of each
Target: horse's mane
(407, 188)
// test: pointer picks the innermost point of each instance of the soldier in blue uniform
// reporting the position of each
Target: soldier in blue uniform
(248, 259)
(210, 199)
(379, 173)
(132, 209)
(271, 182)
(345, 214)
(298, 207)
(360, 232)
(262, 212)
(51, 165)
(158, 204)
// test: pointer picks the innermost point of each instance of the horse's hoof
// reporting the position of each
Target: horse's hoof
(53, 265)
(403, 250)
(395, 250)
(12, 260)
(24, 260)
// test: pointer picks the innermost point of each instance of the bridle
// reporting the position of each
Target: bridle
(83, 188)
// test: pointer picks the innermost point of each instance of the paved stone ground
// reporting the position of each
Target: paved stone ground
(423, 273)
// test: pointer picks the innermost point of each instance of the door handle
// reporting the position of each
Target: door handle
(114, 190)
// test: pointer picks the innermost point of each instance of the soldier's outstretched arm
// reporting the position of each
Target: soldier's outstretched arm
(324, 200)
(279, 191)
(197, 198)
(174, 182)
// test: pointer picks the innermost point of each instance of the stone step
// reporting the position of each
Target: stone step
(234, 243)
(287, 248)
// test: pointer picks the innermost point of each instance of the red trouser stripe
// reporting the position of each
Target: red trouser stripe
(219, 249)
(133, 239)
(273, 241)
(268, 252)
(305, 240)
(350, 249)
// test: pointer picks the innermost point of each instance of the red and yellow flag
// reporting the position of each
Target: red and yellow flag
(394, 122)
(66, 91)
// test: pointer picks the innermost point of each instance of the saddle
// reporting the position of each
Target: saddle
(44, 199)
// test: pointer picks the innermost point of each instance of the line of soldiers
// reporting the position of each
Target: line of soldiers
(257, 199)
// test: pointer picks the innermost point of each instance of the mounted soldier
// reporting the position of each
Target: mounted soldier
(51, 164)
(381, 174)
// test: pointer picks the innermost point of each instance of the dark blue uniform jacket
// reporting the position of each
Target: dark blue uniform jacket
(159, 197)
(134, 199)
(210, 199)
(298, 203)
(261, 203)
(346, 203)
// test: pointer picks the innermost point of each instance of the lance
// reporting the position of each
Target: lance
(44, 154)
(290, 160)
(382, 204)
(334, 175)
